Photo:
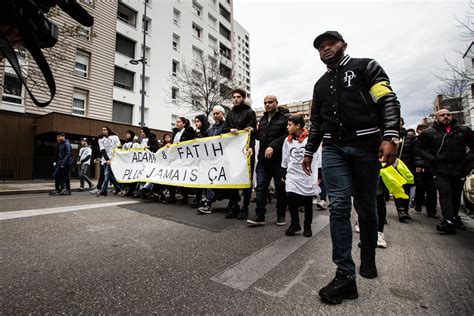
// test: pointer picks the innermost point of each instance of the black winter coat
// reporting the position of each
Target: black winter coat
(153, 144)
(188, 134)
(272, 134)
(406, 150)
(446, 152)
(241, 117)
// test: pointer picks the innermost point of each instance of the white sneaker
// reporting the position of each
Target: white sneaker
(94, 191)
(381, 241)
(322, 205)
(356, 227)
(315, 201)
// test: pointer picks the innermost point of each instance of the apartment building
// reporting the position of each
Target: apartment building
(176, 32)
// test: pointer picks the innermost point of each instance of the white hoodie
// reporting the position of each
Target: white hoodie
(297, 181)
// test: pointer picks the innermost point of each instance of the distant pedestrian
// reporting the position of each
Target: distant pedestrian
(62, 181)
(444, 145)
(300, 187)
(83, 163)
(107, 144)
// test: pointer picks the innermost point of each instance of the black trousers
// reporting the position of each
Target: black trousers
(294, 201)
(425, 192)
(450, 190)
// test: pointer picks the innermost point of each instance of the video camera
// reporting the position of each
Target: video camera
(36, 32)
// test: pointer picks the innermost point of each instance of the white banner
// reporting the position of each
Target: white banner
(212, 162)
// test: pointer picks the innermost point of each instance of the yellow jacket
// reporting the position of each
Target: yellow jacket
(395, 177)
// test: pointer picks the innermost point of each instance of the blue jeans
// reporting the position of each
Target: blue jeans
(351, 171)
(109, 176)
(62, 180)
(265, 173)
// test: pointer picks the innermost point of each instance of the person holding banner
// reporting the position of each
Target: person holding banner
(271, 132)
(202, 125)
(241, 117)
(182, 132)
(107, 144)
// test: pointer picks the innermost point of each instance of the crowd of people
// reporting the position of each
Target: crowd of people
(355, 135)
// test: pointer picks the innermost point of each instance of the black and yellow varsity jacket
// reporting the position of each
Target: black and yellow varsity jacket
(353, 105)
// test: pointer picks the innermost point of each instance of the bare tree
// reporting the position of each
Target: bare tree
(202, 84)
(466, 25)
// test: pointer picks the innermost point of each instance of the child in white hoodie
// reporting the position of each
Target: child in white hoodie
(300, 188)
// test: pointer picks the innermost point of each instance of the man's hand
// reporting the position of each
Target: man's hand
(419, 169)
(248, 129)
(307, 161)
(234, 131)
(109, 162)
(388, 153)
(78, 163)
(269, 152)
(249, 152)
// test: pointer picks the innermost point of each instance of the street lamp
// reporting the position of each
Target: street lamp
(143, 61)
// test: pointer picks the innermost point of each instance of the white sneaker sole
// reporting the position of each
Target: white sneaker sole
(253, 223)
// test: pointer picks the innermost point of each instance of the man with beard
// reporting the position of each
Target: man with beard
(356, 115)
(444, 145)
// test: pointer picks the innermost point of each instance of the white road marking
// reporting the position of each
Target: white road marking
(61, 209)
(288, 287)
(250, 269)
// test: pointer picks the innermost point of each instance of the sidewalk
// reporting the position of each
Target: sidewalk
(30, 187)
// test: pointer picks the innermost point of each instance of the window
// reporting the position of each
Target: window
(197, 53)
(127, 15)
(224, 31)
(224, 12)
(174, 94)
(197, 8)
(84, 32)
(197, 31)
(248, 73)
(225, 51)
(174, 67)
(122, 112)
(81, 67)
(212, 42)
(79, 102)
(175, 42)
(125, 46)
(146, 24)
(174, 118)
(12, 89)
(212, 21)
(123, 78)
(225, 71)
(176, 16)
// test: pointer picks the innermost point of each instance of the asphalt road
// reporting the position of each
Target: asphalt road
(85, 254)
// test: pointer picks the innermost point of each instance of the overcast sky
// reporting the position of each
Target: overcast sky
(408, 38)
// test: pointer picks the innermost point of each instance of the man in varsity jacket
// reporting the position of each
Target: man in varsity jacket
(356, 115)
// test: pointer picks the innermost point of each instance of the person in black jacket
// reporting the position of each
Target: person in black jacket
(182, 132)
(406, 153)
(62, 181)
(271, 132)
(353, 110)
(425, 192)
(444, 146)
(202, 125)
(241, 117)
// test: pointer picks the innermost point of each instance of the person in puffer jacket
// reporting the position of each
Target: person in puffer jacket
(64, 160)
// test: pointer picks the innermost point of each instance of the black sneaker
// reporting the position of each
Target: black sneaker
(307, 232)
(243, 213)
(103, 193)
(117, 191)
(81, 189)
(458, 223)
(206, 209)
(367, 269)
(343, 286)
(293, 229)
(446, 226)
(280, 221)
(231, 210)
(65, 192)
(256, 221)
(403, 216)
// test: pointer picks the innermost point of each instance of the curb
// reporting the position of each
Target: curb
(21, 192)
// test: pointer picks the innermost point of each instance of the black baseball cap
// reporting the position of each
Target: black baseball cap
(328, 34)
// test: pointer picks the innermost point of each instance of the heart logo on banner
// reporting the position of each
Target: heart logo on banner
(297, 153)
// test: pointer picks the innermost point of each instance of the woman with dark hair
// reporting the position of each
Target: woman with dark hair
(202, 125)
(167, 139)
(182, 132)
